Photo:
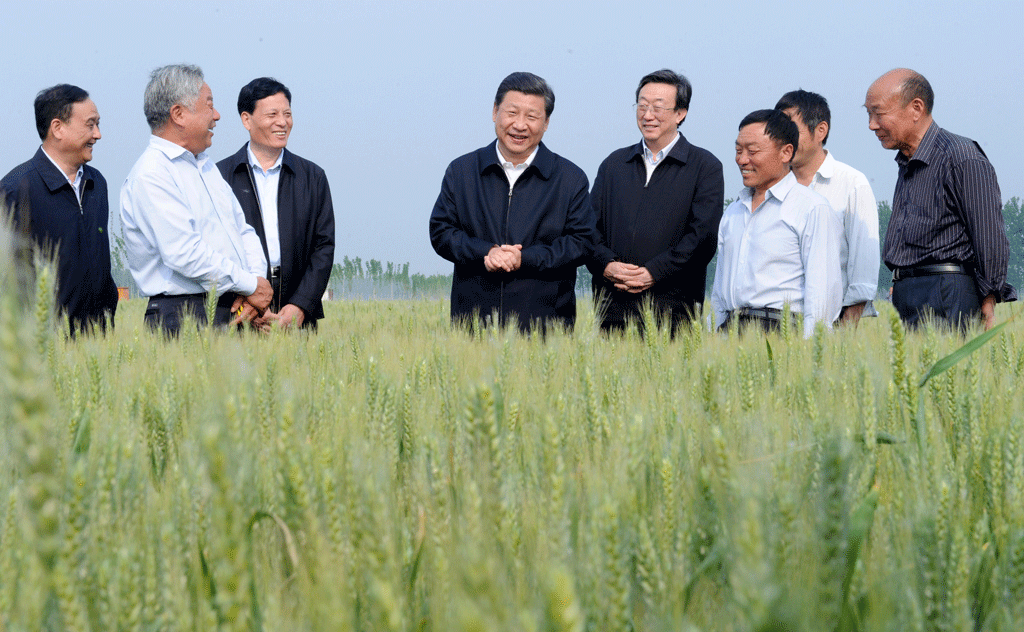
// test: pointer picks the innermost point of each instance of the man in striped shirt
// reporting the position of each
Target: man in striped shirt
(946, 242)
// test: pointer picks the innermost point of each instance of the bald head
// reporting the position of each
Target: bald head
(908, 84)
(899, 105)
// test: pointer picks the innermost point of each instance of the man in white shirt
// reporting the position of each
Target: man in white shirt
(777, 242)
(847, 191)
(184, 231)
(287, 201)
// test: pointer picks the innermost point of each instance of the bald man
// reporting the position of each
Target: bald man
(946, 244)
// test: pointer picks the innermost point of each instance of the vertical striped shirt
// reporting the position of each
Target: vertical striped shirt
(947, 209)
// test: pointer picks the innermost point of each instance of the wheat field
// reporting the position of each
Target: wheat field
(391, 473)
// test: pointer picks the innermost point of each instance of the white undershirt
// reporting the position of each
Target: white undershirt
(652, 160)
(266, 188)
(514, 171)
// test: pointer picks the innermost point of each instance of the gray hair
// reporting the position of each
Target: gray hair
(177, 84)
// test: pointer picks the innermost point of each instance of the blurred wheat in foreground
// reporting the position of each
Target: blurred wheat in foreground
(390, 473)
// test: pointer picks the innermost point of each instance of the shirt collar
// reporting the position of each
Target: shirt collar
(508, 165)
(173, 151)
(778, 191)
(925, 148)
(827, 167)
(657, 158)
(78, 174)
(255, 163)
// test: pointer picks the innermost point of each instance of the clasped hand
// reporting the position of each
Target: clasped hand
(504, 258)
(628, 277)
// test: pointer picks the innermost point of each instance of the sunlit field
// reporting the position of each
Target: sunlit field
(391, 473)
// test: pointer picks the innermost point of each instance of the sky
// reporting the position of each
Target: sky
(386, 93)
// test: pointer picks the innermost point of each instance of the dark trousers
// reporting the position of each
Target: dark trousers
(167, 311)
(952, 298)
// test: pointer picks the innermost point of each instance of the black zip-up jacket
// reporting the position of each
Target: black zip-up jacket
(669, 226)
(546, 211)
(305, 224)
(43, 203)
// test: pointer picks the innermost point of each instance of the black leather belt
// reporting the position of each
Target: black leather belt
(928, 270)
(771, 313)
(225, 300)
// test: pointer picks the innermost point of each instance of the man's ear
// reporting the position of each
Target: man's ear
(787, 152)
(820, 132)
(177, 113)
(247, 121)
(56, 129)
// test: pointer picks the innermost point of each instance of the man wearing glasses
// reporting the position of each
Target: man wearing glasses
(658, 204)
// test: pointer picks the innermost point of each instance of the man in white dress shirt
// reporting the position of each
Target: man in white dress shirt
(777, 242)
(847, 191)
(184, 231)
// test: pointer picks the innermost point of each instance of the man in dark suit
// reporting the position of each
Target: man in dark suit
(287, 200)
(59, 204)
(658, 204)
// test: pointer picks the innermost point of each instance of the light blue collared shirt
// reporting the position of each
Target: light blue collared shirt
(652, 160)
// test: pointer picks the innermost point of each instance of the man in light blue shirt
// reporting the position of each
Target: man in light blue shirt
(185, 233)
(778, 244)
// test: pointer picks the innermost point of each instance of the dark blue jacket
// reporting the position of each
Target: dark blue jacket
(669, 226)
(305, 225)
(546, 211)
(43, 203)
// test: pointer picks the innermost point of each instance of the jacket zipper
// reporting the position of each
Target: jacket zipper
(501, 291)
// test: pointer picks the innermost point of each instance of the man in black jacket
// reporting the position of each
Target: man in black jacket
(287, 200)
(513, 217)
(657, 204)
(60, 204)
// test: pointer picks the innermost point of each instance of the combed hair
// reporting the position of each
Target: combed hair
(916, 86)
(812, 107)
(258, 89)
(683, 88)
(527, 83)
(177, 84)
(56, 102)
(777, 126)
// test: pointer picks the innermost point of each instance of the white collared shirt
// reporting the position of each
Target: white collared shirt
(784, 251)
(184, 230)
(76, 184)
(652, 160)
(848, 192)
(266, 189)
(514, 171)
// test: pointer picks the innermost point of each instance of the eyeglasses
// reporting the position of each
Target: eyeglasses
(641, 109)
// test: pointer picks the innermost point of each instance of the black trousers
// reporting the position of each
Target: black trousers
(167, 311)
(952, 298)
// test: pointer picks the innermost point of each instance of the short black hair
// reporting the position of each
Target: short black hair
(812, 107)
(683, 88)
(258, 89)
(56, 103)
(777, 126)
(527, 83)
(916, 86)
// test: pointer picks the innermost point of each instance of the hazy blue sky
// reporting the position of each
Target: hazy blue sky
(386, 94)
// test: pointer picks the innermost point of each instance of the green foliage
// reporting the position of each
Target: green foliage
(390, 473)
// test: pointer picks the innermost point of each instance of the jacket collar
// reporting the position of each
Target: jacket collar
(240, 159)
(680, 151)
(544, 162)
(52, 177)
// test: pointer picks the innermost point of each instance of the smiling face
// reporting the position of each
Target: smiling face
(656, 115)
(270, 123)
(519, 122)
(198, 120)
(762, 160)
(75, 138)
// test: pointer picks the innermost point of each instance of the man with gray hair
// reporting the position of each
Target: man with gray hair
(184, 230)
